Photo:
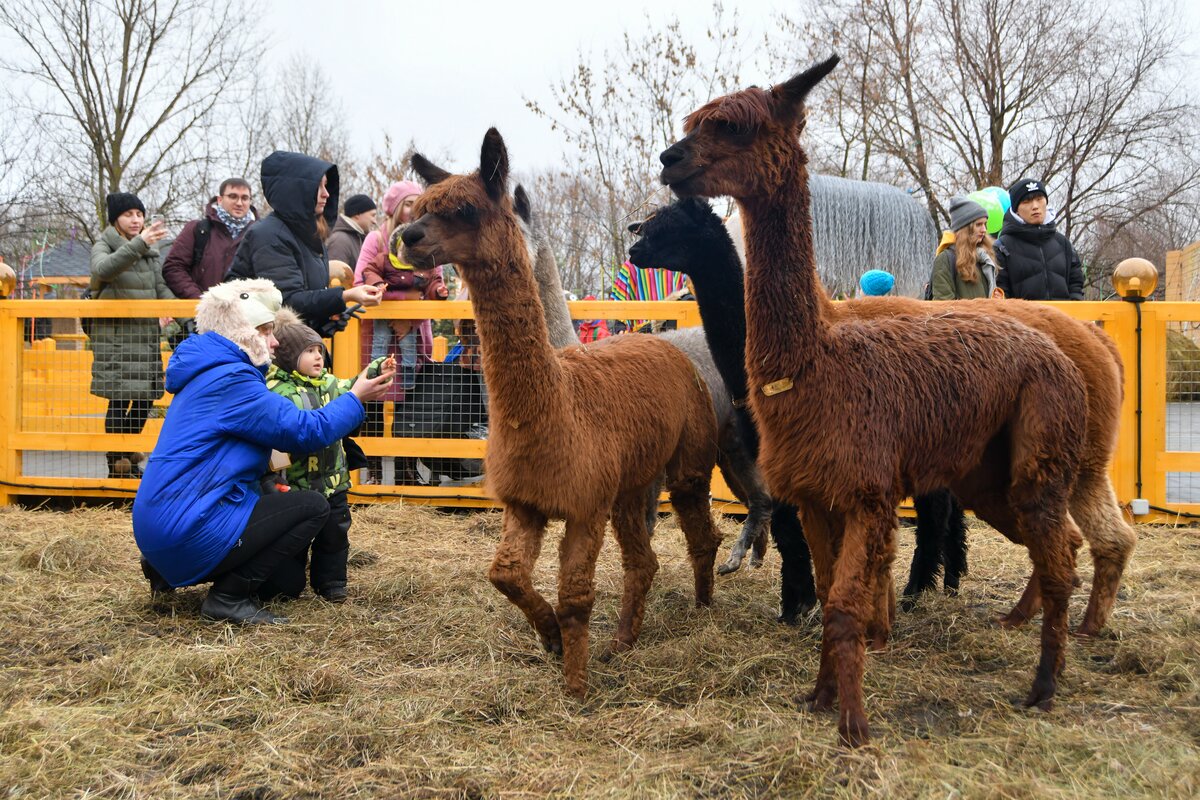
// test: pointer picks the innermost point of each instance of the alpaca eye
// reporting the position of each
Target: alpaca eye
(244, 296)
(467, 213)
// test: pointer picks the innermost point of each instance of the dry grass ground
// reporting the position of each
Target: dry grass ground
(430, 684)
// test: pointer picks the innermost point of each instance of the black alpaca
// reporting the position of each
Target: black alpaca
(689, 237)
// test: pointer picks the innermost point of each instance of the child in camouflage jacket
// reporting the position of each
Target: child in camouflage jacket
(299, 374)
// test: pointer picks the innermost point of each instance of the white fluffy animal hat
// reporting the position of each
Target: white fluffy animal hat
(236, 309)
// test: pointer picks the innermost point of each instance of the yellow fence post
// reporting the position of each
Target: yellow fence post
(11, 341)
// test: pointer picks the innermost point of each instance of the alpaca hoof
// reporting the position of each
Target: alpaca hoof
(853, 730)
(907, 604)
(756, 561)
(1041, 695)
(792, 616)
(729, 567)
(820, 700)
(579, 692)
(614, 649)
(877, 642)
(552, 646)
(1087, 630)
(1011, 621)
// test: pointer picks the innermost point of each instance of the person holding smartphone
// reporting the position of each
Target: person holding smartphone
(127, 366)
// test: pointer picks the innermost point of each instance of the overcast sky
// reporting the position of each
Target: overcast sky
(443, 72)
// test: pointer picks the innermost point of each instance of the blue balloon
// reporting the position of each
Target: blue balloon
(876, 282)
(1001, 196)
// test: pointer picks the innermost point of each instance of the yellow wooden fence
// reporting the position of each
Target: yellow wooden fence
(46, 405)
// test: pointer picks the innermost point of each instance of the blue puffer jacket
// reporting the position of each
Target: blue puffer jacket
(201, 481)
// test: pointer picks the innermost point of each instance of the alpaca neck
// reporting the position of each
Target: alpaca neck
(554, 304)
(721, 297)
(787, 312)
(523, 375)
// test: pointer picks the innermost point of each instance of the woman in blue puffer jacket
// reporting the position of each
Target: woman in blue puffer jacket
(199, 515)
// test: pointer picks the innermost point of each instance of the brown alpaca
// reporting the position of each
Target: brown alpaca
(579, 434)
(852, 412)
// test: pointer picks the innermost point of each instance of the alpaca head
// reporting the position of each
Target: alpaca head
(684, 237)
(743, 144)
(463, 219)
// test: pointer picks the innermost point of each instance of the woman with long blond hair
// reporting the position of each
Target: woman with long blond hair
(965, 265)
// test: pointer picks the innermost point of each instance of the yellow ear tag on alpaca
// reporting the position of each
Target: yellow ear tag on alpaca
(777, 387)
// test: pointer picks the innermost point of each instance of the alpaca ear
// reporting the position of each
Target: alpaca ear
(521, 204)
(789, 96)
(635, 227)
(427, 171)
(493, 164)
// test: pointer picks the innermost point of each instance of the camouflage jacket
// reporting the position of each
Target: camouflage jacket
(325, 470)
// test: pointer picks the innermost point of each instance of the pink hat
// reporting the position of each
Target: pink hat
(396, 194)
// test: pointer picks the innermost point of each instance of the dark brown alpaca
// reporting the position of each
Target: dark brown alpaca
(579, 434)
(851, 412)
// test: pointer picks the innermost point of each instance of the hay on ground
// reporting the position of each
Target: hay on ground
(430, 684)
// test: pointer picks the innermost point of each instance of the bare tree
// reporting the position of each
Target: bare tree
(951, 95)
(621, 113)
(123, 93)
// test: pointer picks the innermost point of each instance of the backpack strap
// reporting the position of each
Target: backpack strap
(200, 236)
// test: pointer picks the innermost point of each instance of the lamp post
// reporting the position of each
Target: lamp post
(1134, 280)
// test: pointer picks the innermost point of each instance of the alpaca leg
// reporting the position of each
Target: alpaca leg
(954, 548)
(576, 593)
(689, 496)
(867, 546)
(512, 571)
(650, 503)
(742, 476)
(1111, 541)
(879, 629)
(639, 564)
(933, 517)
(821, 531)
(1001, 517)
(1054, 566)
(798, 594)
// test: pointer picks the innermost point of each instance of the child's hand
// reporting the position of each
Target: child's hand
(388, 365)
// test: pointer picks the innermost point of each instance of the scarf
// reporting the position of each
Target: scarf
(234, 225)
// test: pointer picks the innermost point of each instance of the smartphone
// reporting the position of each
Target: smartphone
(155, 219)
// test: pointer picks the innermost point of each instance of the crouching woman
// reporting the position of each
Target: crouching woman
(199, 515)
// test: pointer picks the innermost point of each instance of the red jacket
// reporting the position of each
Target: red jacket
(188, 280)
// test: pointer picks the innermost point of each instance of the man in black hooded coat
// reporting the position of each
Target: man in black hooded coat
(286, 247)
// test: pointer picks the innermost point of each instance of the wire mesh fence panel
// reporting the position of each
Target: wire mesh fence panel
(1183, 487)
(1183, 387)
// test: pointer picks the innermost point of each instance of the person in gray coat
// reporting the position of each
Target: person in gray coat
(127, 366)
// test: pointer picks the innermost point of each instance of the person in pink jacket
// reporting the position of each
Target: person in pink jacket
(410, 341)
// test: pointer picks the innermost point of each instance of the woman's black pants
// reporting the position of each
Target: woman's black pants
(281, 525)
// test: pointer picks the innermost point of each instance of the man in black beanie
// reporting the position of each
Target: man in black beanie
(1036, 261)
(354, 223)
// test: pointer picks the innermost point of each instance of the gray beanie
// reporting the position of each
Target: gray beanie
(294, 338)
(963, 212)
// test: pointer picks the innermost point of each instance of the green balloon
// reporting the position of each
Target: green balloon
(995, 211)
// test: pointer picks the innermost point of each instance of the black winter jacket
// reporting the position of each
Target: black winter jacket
(284, 248)
(1037, 262)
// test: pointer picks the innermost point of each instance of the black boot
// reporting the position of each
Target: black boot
(158, 584)
(229, 599)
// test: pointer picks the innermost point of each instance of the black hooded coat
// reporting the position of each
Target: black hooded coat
(284, 248)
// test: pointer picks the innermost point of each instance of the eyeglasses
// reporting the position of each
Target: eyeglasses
(238, 198)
